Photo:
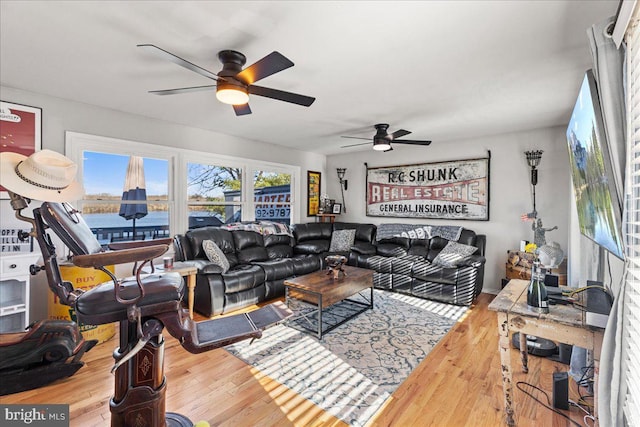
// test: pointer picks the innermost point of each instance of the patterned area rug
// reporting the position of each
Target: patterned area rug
(357, 366)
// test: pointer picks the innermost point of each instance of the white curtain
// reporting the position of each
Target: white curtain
(608, 63)
(618, 388)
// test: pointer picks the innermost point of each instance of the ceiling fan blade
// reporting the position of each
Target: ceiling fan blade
(270, 64)
(181, 90)
(281, 95)
(177, 60)
(390, 149)
(400, 133)
(411, 141)
(242, 110)
(355, 145)
(356, 137)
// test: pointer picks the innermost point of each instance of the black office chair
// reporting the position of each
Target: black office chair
(143, 305)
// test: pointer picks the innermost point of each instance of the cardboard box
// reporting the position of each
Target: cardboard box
(524, 273)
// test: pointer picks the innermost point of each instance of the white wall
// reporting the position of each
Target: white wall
(510, 194)
(509, 177)
(59, 116)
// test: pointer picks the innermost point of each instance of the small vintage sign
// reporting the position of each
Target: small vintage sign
(11, 243)
(456, 189)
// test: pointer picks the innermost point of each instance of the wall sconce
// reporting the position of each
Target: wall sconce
(341, 172)
(343, 185)
(533, 159)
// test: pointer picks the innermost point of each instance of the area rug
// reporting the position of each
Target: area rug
(357, 366)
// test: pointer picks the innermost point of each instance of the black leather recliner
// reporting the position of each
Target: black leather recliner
(259, 265)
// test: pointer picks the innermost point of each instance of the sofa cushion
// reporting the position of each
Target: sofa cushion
(278, 246)
(312, 247)
(364, 232)
(249, 246)
(215, 255)
(341, 240)
(453, 254)
(305, 264)
(390, 249)
(222, 238)
(242, 278)
(312, 231)
(277, 269)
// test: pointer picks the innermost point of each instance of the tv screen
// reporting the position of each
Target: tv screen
(596, 197)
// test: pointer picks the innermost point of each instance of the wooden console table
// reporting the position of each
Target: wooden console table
(563, 323)
(326, 217)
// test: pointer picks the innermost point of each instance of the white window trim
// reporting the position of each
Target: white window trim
(76, 143)
(248, 167)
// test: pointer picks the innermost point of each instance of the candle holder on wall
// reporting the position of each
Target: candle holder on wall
(343, 185)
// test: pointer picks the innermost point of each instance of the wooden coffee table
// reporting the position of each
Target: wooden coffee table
(321, 291)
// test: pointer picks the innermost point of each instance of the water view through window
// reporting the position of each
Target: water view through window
(126, 197)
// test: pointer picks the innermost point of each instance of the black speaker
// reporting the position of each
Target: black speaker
(560, 390)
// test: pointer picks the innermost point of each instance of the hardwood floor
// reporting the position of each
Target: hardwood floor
(458, 384)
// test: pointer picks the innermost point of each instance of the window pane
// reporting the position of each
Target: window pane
(104, 176)
(206, 215)
(272, 196)
(213, 183)
(106, 223)
(123, 193)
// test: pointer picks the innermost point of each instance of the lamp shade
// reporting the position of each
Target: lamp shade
(232, 95)
(381, 144)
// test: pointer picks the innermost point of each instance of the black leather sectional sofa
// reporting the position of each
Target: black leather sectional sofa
(403, 264)
(258, 267)
(259, 264)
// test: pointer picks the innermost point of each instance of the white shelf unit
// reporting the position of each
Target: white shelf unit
(15, 282)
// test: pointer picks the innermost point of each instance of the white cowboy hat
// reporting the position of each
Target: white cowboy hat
(45, 175)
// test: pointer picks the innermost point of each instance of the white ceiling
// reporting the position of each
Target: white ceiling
(445, 70)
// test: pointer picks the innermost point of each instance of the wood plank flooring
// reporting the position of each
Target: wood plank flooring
(458, 384)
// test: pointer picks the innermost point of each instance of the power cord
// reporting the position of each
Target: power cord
(546, 405)
(586, 417)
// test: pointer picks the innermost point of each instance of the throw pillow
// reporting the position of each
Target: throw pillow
(453, 254)
(215, 255)
(342, 240)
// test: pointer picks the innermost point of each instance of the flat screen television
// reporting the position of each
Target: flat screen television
(599, 208)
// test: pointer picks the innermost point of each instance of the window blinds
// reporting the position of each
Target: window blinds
(632, 227)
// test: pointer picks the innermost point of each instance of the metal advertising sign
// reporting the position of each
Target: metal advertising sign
(456, 189)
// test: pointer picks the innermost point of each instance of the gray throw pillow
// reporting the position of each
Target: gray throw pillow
(342, 240)
(453, 254)
(215, 255)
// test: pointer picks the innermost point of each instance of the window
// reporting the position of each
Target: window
(130, 202)
(631, 312)
(127, 196)
(272, 196)
(214, 194)
(184, 189)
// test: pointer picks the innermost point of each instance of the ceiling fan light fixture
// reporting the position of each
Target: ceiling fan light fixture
(232, 94)
(381, 144)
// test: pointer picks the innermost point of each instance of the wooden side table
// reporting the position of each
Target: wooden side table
(188, 271)
(326, 217)
(563, 323)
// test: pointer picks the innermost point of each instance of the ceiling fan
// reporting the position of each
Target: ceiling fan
(382, 139)
(233, 83)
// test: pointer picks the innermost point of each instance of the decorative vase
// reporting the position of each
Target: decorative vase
(537, 298)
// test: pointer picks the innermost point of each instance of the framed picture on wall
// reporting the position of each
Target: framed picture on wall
(455, 189)
(313, 192)
(20, 131)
